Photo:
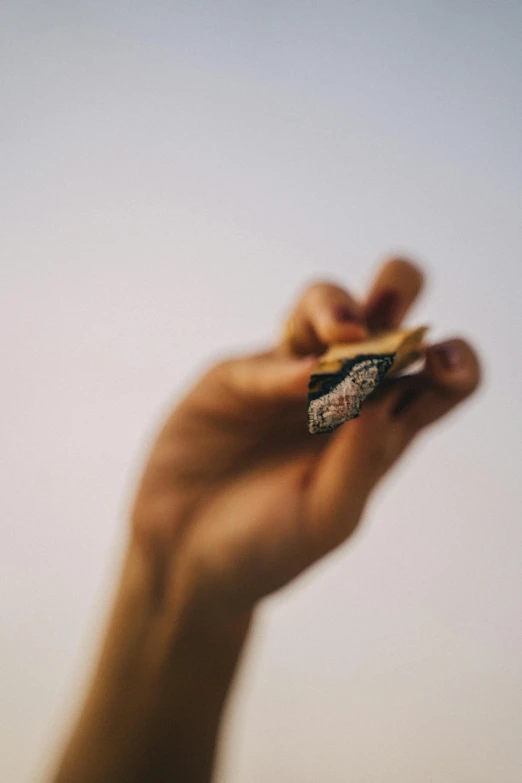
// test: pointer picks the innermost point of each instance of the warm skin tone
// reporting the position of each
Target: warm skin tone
(235, 501)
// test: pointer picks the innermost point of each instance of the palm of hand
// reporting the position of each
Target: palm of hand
(238, 492)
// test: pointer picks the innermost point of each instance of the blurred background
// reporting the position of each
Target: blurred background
(172, 174)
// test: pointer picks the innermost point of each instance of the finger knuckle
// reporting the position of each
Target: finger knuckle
(221, 369)
(320, 288)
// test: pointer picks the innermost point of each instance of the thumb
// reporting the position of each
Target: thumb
(267, 377)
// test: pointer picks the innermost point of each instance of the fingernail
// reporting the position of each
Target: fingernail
(345, 314)
(383, 312)
(449, 355)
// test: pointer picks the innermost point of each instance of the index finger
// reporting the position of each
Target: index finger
(324, 314)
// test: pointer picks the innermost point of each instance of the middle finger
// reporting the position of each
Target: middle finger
(394, 290)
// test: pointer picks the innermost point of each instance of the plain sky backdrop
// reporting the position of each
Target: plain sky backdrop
(172, 173)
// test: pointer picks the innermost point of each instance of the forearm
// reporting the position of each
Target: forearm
(154, 708)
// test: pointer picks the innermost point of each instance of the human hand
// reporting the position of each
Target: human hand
(238, 498)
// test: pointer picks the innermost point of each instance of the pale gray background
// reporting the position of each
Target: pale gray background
(171, 174)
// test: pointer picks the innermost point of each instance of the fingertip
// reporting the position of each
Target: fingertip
(397, 285)
(349, 333)
(341, 323)
(404, 267)
(455, 364)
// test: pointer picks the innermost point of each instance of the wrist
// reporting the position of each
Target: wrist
(161, 631)
(161, 684)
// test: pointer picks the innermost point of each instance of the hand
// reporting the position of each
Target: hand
(237, 498)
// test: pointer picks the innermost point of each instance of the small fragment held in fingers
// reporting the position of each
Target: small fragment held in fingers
(349, 372)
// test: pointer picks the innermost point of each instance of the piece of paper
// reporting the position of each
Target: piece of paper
(349, 372)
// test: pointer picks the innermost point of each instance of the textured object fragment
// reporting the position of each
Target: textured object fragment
(347, 373)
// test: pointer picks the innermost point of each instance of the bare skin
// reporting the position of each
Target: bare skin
(235, 501)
